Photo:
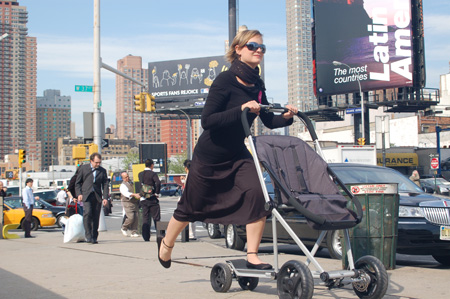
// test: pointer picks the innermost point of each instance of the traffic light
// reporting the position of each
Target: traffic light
(151, 105)
(93, 148)
(22, 157)
(78, 152)
(361, 141)
(139, 102)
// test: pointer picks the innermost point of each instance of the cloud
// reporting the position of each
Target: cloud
(437, 52)
(437, 25)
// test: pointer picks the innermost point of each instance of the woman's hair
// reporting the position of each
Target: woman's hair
(240, 40)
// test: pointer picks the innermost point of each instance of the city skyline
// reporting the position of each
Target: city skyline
(158, 32)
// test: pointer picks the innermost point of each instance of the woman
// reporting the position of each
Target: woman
(222, 186)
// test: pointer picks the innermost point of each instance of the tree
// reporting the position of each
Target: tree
(131, 158)
(176, 163)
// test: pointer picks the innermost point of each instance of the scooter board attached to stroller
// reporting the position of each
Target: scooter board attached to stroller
(305, 183)
(223, 274)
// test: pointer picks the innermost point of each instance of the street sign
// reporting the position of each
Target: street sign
(157, 151)
(83, 88)
(353, 110)
(105, 142)
(434, 163)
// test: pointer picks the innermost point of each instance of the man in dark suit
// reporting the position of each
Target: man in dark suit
(91, 187)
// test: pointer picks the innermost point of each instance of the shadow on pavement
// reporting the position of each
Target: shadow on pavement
(22, 288)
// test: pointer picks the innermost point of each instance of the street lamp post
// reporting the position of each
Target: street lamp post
(189, 139)
(362, 98)
(97, 122)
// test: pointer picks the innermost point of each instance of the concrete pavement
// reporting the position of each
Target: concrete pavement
(120, 267)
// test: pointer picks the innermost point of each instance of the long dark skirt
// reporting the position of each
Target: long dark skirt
(226, 193)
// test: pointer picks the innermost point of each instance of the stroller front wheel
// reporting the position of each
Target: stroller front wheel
(295, 281)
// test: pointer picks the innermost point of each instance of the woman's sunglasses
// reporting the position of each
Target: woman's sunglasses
(252, 46)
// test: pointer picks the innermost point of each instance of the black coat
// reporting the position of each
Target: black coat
(85, 182)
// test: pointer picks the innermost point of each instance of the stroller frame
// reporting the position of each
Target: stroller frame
(295, 279)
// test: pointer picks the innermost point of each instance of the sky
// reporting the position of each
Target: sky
(171, 30)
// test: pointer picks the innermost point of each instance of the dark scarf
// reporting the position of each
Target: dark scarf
(246, 73)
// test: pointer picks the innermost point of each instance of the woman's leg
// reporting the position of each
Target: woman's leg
(173, 230)
(254, 235)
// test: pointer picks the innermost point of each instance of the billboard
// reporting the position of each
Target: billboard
(185, 82)
(367, 43)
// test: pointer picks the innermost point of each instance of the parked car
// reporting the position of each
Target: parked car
(438, 185)
(41, 218)
(48, 195)
(12, 191)
(170, 189)
(423, 218)
(57, 211)
(445, 164)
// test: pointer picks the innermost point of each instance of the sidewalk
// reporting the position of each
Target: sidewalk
(119, 267)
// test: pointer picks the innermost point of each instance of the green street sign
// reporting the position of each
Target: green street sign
(83, 88)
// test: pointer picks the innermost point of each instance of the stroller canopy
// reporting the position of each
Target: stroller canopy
(300, 173)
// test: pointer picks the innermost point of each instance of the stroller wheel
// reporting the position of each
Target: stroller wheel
(295, 281)
(374, 278)
(248, 283)
(221, 278)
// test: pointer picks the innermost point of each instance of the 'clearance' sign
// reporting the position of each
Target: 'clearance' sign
(398, 159)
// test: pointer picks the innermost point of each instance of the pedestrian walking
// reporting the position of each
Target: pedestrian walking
(61, 197)
(130, 203)
(222, 186)
(2, 190)
(28, 200)
(192, 226)
(92, 188)
(415, 177)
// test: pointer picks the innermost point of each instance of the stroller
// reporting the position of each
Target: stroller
(303, 183)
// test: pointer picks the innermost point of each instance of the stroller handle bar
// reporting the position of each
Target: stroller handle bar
(277, 108)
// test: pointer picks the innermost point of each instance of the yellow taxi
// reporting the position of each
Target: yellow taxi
(41, 217)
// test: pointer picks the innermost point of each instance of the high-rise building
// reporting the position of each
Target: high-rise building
(131, 124)
(53, 122)
(300, 58)
(17, 80)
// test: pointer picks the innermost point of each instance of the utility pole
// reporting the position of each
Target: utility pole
(231, 21)
(97, 134)
(98, 64)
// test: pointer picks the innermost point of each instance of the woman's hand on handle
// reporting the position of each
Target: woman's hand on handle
(253, 107)
(292, 111)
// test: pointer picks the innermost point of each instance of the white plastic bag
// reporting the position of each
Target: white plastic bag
(74, 229)
(64, 220)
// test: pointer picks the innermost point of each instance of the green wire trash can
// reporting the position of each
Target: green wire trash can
(377, 233)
